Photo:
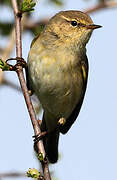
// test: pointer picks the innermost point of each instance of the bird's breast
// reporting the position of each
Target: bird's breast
(57, 84)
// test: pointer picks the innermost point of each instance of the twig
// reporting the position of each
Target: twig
(101, 5)
(25, 90)
(6, 51)
(6, 82)
(13, 175)
(10, 45)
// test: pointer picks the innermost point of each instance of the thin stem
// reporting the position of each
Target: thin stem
(12, 175)
(25, 90)
(17, 28)
(100, 6)
(10, 84)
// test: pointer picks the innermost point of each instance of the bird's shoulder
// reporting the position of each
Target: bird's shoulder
(34, 40)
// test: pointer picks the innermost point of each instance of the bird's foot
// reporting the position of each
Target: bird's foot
(61, 121)
(39, 122)
(19, 62)
(39, 136)
(30, 92)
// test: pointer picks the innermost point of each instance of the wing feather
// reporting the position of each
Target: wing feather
(84, 73)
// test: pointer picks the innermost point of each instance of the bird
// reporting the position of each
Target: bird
(58, 73)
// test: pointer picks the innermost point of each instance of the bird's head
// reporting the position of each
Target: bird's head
(71, 26)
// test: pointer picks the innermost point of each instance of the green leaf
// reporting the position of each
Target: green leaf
(33, 173)
(4, 66)
(28, 5)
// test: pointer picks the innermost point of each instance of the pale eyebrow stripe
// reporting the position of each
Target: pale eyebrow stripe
(65, 18)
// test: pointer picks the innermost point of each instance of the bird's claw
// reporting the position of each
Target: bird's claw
(19, 62)
(39, 136)
(61, 121)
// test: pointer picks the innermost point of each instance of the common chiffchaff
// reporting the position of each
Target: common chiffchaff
(58, 70)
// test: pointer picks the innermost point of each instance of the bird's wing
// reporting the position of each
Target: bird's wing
(35, 38)
(84, 72)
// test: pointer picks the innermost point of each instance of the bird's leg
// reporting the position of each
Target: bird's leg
(39, 122)
(20, 62)
(39, 136)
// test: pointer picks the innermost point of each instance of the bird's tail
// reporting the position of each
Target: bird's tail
(51, 144)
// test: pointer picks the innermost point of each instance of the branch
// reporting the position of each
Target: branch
(11, 84)
(101, 5)
(25, 90)
(6, 51)
(13, 175)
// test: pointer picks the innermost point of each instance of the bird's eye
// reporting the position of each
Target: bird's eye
(74, 23)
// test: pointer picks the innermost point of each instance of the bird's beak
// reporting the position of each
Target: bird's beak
(93, 26)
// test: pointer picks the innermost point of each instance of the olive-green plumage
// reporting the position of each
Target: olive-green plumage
(58, 71)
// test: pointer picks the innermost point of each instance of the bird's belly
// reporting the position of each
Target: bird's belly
(58, 91)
